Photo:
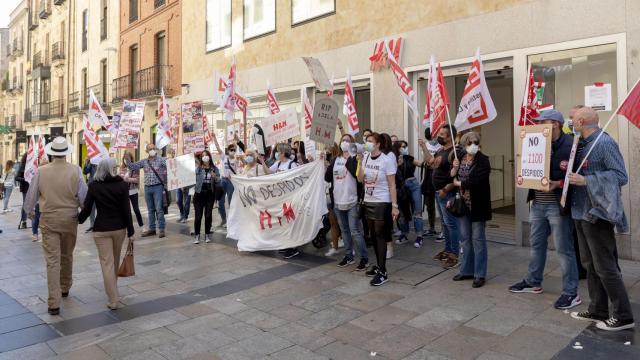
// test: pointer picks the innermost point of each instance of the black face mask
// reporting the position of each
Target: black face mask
(441, 140)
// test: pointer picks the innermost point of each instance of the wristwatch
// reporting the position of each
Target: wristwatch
(394, 205)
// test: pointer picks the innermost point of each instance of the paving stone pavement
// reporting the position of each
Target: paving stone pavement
(209, 301)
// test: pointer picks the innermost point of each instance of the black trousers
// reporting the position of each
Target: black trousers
(598, 254)
(136, 208)
(203, 204)
(430, 202)
(379, 221)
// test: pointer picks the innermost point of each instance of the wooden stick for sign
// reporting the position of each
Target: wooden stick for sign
(572, 158)
(244, 121)
(455, 153)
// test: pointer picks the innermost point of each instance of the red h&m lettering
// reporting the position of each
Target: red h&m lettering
(264, 215)
(288, 212)
(379, 59)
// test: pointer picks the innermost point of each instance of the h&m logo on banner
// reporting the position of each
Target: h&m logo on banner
(379, 59)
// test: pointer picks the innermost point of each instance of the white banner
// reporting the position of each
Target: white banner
(181, 171)
(278, 211)
(281, 126)
(318, 74)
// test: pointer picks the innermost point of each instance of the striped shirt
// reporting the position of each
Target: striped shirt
(605, 156)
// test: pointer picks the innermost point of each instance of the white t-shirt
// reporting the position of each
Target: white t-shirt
(257, 170)
(345, 191)
(228, 164)
(279, 166)
(376, 186)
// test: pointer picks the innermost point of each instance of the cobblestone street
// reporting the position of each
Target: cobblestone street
(209, 301)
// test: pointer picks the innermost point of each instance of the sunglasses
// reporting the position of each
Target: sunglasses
(476, 142)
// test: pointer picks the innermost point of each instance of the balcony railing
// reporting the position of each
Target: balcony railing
(40, 111)
(149, 81)
(158, 3)
(12, 121)
(58, 2)
(37, 60)
(101, 95)
(27, 115)
(121, 89)
(45, 9)
(17, 47)
(56, 108)
(74, 102)
(57, 51)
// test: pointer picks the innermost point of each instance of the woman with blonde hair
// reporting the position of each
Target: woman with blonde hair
(254, 164)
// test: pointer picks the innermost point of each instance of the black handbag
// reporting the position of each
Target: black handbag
(456, 206)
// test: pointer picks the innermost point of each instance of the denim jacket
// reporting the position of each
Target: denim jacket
(200, 174)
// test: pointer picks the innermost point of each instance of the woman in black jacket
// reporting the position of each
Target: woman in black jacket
(471, 172)
(110, 194)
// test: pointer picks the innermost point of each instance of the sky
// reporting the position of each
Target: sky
(6, 6)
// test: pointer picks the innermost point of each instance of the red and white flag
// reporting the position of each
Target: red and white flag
(274, 108)
(242, 104)
(476, 107)
(403, 81)
(630, 107)
(529, 108)
(435, 112)
(96, 151)
(208, 136)
(41, 145)
(31, 166)
(307, 110)
(163, 136)
(97, 116)
(229, 99)
(349, 107)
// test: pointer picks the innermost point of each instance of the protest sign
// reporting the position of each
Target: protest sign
(192, 129)
(318, 74)
(533, 157)
(325, 121)
(129, 126)
(280, 126)
(598, 96)
(181, 172)
(278, 211)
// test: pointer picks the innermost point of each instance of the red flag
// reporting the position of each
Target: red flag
(229, 100)
(207, 133)
(437, 100)
(307, 110)
(630, 107)
(274, 108)
(349, 106)
(96, 150)
(529, 108)
(41, 144)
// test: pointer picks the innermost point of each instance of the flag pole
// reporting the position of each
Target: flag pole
(606, 125)
(455, 153)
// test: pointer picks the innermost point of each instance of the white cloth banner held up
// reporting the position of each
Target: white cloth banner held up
(96, 151)
(476, 107)
(278, 211)
(163, 137)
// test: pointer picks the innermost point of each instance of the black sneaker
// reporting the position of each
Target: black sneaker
(524, 287)
(587, 316)
(346, 261)
(461, 277)
(418, 243)
(614, 324)
(289, 253)
(23, 225)
(478, 282)
(55, 311)
(379, 279)
(65, 294)
(567, 302)
(362, 265)
(372, 272)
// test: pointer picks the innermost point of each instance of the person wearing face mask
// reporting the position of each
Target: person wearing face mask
(386, 148)
(284, 163)
(155, 178)
(255, 165)
(231, 166)
(132, 178)
(443, 184)
(207, 175)
(409, 193)
(568, 129)
(429, 149)
(547, 217)
(598, 211)
(471, 174)
(377, 173)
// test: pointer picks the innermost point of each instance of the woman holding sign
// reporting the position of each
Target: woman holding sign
(377, 172)
(207, 175)
(471, 177)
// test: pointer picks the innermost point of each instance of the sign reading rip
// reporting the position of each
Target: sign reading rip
(324, 121)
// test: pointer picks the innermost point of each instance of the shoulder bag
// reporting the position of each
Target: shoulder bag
(127, 267)
(166, 199)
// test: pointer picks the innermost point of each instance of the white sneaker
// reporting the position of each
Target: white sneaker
(207, 238)
(34, 238)
(340, 243)
(9, 210)
(331, 252)
(397, 233)
(389, 252)
(197, 240)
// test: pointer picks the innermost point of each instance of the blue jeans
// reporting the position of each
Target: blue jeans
(450, 230)
(184, 202)
(153, 197)
(7, 195)
(228, 190)
(546, 220)
(36, 220)
(474, 244)
(351, 229)
(416, 206)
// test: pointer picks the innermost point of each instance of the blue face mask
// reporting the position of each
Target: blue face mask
(249, 159)
(277, 155)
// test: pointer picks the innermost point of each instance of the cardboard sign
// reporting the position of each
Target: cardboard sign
(129, 125)
(533, 157)
(325, 121)
(318, 74)
(192, 127)
(181, 172)
(281, 126)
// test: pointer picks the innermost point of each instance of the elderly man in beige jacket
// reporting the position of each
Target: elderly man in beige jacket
(60, 190)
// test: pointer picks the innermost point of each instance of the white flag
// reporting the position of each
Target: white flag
(307, 111)
(163, 136)
(476, 107)
(97, 116)
(31, 166)
(349, 106)
(229, 99)
(274, 108)
(96, 151)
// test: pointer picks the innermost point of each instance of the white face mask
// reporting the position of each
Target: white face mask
(472, 149)
(369, 146)
(344, 146)
(404, 151)
(205, 159)
(292, 157)
(152, 153)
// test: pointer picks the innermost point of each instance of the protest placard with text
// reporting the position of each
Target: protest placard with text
(533, 157)
(181, 172)
(281, 126)
(325, 121)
